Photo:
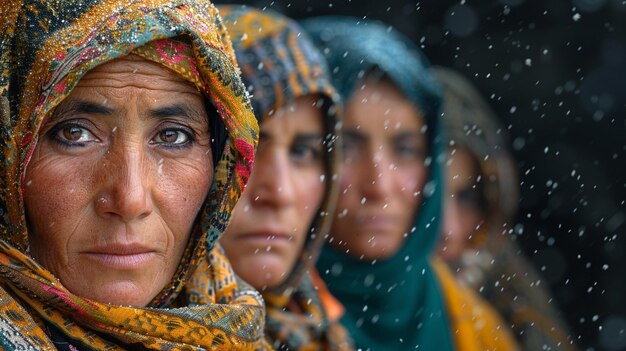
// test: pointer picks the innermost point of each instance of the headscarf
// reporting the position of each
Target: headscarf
(279, 63)
(46, 47)
(395, 303)
(493, 264)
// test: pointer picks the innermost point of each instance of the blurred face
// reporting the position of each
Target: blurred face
(118, 176)
(383, 171)
(271, 220)
(463, 213)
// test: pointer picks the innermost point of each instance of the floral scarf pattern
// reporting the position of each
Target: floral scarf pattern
(279, 63)
(45, 49)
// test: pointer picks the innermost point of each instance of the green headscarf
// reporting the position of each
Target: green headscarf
(396, 303)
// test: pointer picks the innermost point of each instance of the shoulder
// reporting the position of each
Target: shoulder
(475, 324)
(18, 330)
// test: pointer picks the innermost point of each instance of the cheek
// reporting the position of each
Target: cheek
(56, 192)
(412, 182)
(310, 193)
(470, 219)
(181, 190)
(346, 184)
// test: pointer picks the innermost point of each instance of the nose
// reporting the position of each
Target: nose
(452, 241)
(450, 217)
(271, 182)
(379, 174)
(125, 183)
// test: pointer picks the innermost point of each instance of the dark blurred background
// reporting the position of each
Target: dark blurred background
(555, 73)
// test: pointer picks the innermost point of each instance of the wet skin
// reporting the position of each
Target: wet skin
(116, 181)
(383, 171)
(463, 215)
(271, 220)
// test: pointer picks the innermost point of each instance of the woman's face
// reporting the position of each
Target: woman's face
(121, 170)
(382, 174)
(271, 220)
(463, 214)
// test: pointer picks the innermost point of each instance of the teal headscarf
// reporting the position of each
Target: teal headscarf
(396, 303)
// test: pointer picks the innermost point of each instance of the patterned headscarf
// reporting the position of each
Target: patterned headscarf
(279, 63)
(493, 264)
(46, 47)
(396, 303)
(469, 122)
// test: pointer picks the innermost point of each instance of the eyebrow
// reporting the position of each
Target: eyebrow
(410, 135)
(354, 135)
(358, 136)
(309, 137)
(302, 137)
(81, 106)
(180, 110)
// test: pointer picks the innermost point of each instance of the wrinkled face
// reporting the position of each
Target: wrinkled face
(463, 211)
(270, 223)
(383, 171)
(116, 181)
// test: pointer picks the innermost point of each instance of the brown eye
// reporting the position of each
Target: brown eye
(302, 152)
(73, 134)
(172, 137)
(168, 136)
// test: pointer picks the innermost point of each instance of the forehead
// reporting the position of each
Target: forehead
(379, 106)
(303, 114)
(462, 167)
(135, 72)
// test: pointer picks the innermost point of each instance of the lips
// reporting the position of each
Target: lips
(265, 235)
(263, 238)
(377, 222)
(121, 256)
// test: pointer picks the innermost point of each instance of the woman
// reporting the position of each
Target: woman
(127, 137)
(386, 224)
(280, 222)
(480, 204)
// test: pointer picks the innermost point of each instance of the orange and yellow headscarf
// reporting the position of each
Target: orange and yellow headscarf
(279, 63)
(46, 47)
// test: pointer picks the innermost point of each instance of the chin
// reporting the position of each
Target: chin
(263, 271)
(262, 284)
(449, 253)
(123, 293)
(377, 250)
